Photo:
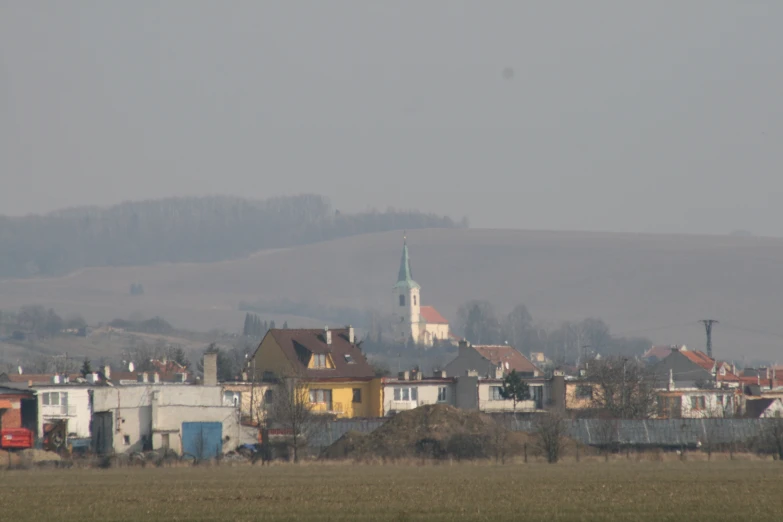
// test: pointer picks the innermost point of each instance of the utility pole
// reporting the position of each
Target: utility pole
(708, 328)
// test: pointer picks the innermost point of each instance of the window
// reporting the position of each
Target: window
(126, 440)
(414, 300)
(54, 398)
(697, 402)
(349, 359)
(319, 360)
(231, 398)
(584, 391)
(357, 395)
(269, 396)
(46, 399)
(494, 393)
(321, 396)
(406, 394)
(441, 394)
(402, 300)
(720, 399)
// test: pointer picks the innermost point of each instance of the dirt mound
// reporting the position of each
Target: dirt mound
(434, 431)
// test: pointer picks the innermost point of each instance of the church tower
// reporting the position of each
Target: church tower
(407, 301)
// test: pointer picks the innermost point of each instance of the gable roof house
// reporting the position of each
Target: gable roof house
(328, 362)
(693, 368)
(491, 361)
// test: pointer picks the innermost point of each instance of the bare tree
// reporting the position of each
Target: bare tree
(772, 435)
(551, 429)
(501, 436)
(626, 388)
(607, 436)
(291, 410)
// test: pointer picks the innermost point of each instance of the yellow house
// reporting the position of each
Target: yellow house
(329, 363)
(581, 395)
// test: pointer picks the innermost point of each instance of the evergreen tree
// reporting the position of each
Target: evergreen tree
(86, 367)
(271, 325)
(246, 330)
(285, 325)
(515, 388)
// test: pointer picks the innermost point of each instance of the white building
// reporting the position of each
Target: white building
(411, 390)
(412, 321)
(490, 399)
(64, 403)
(184, 418)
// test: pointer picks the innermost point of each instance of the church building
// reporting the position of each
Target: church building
(412, 321)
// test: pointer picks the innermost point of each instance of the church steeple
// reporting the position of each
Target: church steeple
(405, 276)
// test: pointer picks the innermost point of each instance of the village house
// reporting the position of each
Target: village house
(411, 390)
(155, 415)
(491, 362)
(250, 398)
(763, 408)
(411, 321)
(329, 363)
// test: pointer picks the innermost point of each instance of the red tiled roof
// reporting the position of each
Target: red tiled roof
(502, 354)
(432, 316)
(36, 378)
(708, 363)
(349, 361)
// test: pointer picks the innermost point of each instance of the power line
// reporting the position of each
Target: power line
(708, 328)
(752, 330)
(654, 329)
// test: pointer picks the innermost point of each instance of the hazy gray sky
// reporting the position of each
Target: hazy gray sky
(624, 115)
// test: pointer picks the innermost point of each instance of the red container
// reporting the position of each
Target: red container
(16, 438)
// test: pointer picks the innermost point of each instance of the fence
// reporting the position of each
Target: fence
(656, 433)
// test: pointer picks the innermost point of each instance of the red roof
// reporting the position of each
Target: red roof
(502, 354)
(432, 316)
(708, 363)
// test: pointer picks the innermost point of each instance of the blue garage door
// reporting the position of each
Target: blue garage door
(203, 440)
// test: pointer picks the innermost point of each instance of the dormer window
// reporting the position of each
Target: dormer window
(319, 360)
(402, 300)
(348, 359)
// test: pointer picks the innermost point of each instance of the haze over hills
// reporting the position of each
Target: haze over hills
(192, 229)
(651, 285)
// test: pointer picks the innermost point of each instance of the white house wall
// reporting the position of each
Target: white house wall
(154, 410)
(490, 405)
(712, 406)
(427, 394)
(77, 413)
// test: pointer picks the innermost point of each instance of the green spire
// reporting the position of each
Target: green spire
(405, 277)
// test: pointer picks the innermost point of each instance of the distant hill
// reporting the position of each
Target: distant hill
(182, 230)
(648, 285)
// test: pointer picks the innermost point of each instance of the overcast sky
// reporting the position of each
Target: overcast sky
(625, 115)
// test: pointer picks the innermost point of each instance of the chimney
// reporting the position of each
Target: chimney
(439, 374)
(471, 373)
(419, 375)
(156, 377)
(351, 334)
(92, 378)
(675, 348)
(210, 368)
(56, 378)
(404, 376)
(463, 346)
(180, 377)
(327, 335)
(499, 371)
(244, 376)
(142, 377)
(671, 379)
(107, 372)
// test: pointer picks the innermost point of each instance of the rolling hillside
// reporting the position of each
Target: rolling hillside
(657, 286)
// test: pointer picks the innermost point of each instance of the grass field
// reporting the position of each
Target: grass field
(682, 491)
